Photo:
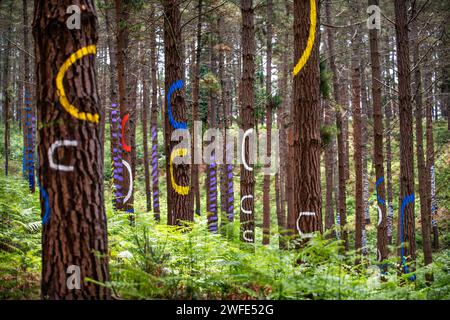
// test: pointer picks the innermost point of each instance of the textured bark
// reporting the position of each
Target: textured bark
(227, 186)
(330, 150)
(378, 149)
(195, 185)
(154, 117)
(266, 187)
(425, 201)
(406, 224)
(122, 33)
(115, 121)
(247, 115)
(178, 204)
(329, 168)
(357, 135)
(29, 124)
(211, 172)
(306, 127)
(7, 91)
(145, 107)
(74, 233)
(282, 113)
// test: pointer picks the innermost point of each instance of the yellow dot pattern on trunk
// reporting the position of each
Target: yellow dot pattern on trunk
(183, 190)
(311, 38)
(71, 109)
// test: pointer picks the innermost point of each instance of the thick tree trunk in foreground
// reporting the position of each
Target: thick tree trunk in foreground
(406, 224)
(306, 124)
(74, 241)
(178, 173)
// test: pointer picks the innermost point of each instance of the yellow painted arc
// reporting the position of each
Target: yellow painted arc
(183, 190)
(71, 109)
(311, 38)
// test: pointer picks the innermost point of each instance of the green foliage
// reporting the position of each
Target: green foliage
(151, 261)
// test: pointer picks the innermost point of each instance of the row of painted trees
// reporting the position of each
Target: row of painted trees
(71, 123)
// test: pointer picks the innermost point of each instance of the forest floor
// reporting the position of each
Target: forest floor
(155, 261)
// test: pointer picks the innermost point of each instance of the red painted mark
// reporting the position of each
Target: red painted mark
(126, 147)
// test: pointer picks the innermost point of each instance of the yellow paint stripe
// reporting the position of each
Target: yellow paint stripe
(71, 109)
(183, 190)
(311, 38)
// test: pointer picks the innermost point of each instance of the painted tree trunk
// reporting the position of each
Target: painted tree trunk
(154, 118)
(306, 121)
(177, 173)
(144, 115)
(30, 112)
(74, 239)
(126, 116)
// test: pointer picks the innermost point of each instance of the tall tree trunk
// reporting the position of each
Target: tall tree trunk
(341, 202)
(145, 107)
(247, 115)
(115, 120)
(30, 120)
(378, 149)
(425, 201)
(364, 144)
(154, 116)
(74, 237)
(357, 132)
(266, 187)
(7, 90)
(211, 172)
(430, 162)
(195, 111)
(178, 208)
(122, 22)
(280, 177)
(306, 121)
(329, 169)
(406, 224)
(388, 113)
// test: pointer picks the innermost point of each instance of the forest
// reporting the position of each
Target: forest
(225, 150)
